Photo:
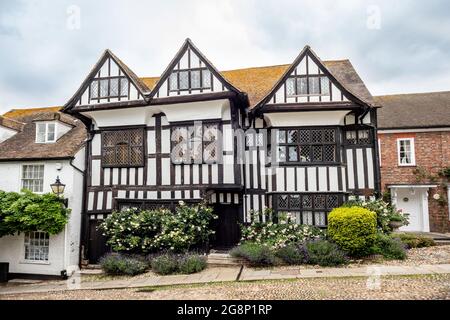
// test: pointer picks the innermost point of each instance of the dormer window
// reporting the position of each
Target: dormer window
(112, 87)
(310, 85)
(192, 79)
(45, 132)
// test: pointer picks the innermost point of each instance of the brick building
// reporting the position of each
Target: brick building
(414, 143)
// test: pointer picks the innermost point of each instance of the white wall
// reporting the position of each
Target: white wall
(6, 133)
(63, 247)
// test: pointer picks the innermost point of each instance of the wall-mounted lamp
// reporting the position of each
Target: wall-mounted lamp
(58, 189)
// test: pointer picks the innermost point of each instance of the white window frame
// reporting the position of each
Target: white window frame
(22, 179)
(413, 153)
(379, 151)
(46, 139)
(36, 247)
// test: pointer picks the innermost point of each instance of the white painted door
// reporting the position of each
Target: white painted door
(411, 202)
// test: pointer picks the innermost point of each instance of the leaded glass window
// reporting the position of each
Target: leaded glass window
(106, 88)
(305, 85)
(123, 148)
(192, 79)
(307, 145)
(195, 143)
(307, 208)
(358, 137)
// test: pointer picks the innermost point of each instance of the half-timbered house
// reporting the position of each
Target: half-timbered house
(297, 138)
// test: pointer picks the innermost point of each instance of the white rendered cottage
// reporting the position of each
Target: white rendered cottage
(37, 146)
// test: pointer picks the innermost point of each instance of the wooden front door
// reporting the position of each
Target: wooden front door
(97, 242)
(226, 226)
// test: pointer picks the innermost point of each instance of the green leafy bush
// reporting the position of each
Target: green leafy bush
(138, 231)
(354, 229)
(389, 248)
(278, 235)
(414, 241)
(27, 211)
(292, 254)
(169, 263)
(191, 263)
(117, 264)
(165, 264)
(256, 254)
(385, 212)
(325, 253)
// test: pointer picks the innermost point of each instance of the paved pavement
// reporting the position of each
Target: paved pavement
(227, 274)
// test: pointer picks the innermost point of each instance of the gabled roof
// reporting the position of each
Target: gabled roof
(141, 87)
(11, 124)
(258, 81)
(415, 110)
(308, 51)
(22, 146)
(189, 44)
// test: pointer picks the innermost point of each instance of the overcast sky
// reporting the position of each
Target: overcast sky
(48, 47)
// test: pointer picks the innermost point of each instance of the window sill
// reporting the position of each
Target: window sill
(407, 165)
(34, 262)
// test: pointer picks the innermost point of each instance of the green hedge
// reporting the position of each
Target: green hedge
(354, 229)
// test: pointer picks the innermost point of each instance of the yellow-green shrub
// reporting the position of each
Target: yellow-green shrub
(354, 229)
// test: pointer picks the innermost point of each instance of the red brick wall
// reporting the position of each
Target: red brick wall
(432, 151)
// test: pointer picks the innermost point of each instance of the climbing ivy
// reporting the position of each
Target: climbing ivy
(27, 211)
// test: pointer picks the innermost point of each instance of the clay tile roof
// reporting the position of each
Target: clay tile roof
(346, 74)
(416, 110)
(11, 124)
(23, 146)
(19, 113)
(258, 81)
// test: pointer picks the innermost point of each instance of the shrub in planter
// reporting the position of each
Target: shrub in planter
(191, 263)
(325, 253)
(414, 241)
(292, 254)
(389, 248)
(354, 229)
(256, 254)
(117, 264)
(165, 264)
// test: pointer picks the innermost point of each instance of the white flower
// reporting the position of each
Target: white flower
(436, 196)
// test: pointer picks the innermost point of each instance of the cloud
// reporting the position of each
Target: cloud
(44, 59)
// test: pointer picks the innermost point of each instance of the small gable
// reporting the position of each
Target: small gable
(307, 82)
(111, 81)
(110, 84)
(190, 73)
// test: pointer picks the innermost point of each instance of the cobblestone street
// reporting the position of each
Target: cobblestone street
(388, 287)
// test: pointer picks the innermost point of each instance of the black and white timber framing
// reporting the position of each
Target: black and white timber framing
(129, 123)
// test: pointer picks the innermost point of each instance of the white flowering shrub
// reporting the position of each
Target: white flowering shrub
(278, 235)
(385, 211)
(133, 230)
